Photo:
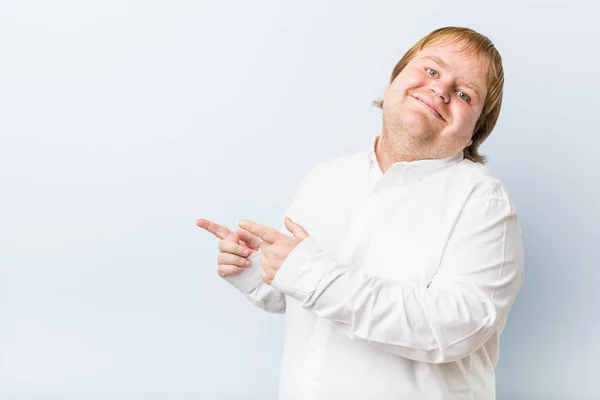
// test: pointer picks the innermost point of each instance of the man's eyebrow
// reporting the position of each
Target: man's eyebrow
(445, 66)
(474, 88)
(440, 62)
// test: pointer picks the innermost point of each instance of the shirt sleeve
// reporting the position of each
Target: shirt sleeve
(250, 283)
(444, 320)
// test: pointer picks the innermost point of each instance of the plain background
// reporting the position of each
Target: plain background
(121, 122)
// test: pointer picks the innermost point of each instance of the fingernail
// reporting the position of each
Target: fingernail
(248, 263)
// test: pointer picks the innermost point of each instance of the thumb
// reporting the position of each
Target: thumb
(296, 230)
(251, 241)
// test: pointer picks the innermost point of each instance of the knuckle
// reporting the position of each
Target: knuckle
(225, 258)
(228, 270)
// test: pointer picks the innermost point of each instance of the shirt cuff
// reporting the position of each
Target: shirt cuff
(302, 270)
(250, 277)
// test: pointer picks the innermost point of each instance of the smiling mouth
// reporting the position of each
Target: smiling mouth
(437, 114)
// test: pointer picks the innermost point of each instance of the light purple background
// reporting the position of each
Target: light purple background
(121, 122)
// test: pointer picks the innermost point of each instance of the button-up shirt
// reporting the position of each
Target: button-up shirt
(404, 285)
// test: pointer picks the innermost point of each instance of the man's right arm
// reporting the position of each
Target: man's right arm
(236, 249)
(249, 280)
(250, 283)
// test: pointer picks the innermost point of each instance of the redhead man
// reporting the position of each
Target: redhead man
(404, 260)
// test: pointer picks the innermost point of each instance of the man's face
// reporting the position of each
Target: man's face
(436, 100)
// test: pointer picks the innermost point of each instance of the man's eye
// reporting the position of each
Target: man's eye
(432, 72)
(463, 96)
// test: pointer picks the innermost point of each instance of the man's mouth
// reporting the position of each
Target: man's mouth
(430, 105)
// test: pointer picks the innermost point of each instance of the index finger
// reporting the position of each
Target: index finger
(219, 231)
(267, 234)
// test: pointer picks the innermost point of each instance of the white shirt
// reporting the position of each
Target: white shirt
(404, 285)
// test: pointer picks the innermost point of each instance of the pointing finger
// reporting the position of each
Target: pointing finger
(267, 234)
(218, 230)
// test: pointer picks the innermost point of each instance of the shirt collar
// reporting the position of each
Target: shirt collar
(406, 172)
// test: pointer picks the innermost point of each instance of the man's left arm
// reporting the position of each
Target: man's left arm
(445, 320)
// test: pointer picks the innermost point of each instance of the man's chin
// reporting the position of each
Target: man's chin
(415, 127)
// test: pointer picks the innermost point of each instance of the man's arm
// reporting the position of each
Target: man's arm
(250, 283)
(249, 280)
(235, 250)
(455, 314)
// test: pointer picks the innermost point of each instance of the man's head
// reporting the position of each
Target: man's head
(444, 95)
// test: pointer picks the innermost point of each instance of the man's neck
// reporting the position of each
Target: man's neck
(388, 154)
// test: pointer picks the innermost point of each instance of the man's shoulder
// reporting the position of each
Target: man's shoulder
(482, 181)
(340, 166)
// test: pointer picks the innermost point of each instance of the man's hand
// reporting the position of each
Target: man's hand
(275, 246)
(234, 247)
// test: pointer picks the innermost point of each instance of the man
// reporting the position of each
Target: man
(404, 260)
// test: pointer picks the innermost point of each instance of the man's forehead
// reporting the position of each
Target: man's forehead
(448, 52)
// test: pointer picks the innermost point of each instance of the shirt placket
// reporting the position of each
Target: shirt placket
(314, 363)
(313, 366)
(359, 222)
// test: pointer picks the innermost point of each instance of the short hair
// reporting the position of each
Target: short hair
(479, 45)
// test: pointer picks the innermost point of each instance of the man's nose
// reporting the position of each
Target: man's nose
(441, 91)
